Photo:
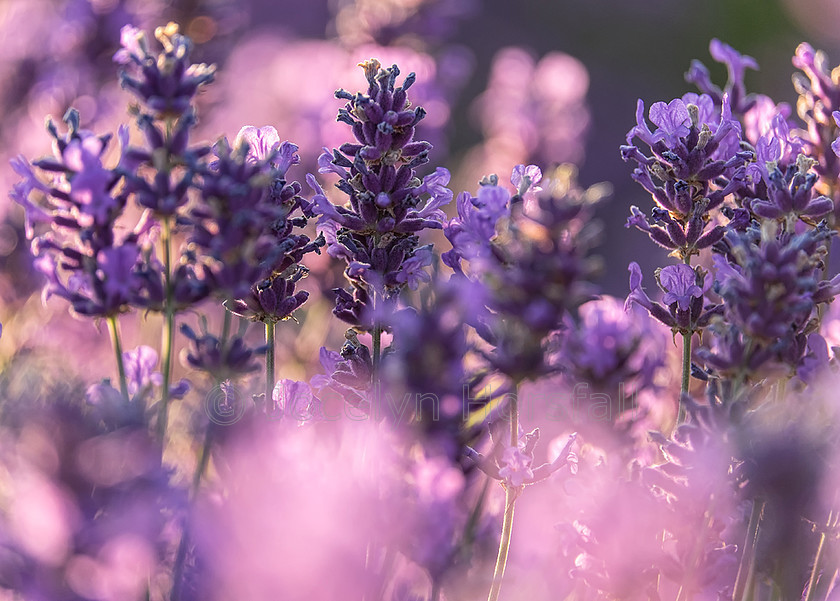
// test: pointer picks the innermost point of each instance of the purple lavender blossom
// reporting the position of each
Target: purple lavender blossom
(736, 66)
(165, 83)
(819, 96)
(684, 289)
(245, 227)
(263, 143)
(471, 231)
(608, 348)
(516, 466)
(349, 373)
(771, 286)
(791, 195)
(386, 210)
(672, 121)
(221, 359)
(680, 285)
(535, 272)
(695, 153)
(412, 270)
(525, 179)
(140, 369)
(835, 145)
(428, 364)
(82, 259)
(271, 299)
(294, 401)
(142, 378)
(639, 297)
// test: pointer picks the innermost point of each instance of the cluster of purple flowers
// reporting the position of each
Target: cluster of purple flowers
(536, 270)
(740, 179)
(81, 256)
(768, 249)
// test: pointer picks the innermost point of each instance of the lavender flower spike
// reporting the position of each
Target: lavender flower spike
(165, 83)
(377, 230)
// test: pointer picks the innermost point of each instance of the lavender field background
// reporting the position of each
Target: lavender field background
(252, 351)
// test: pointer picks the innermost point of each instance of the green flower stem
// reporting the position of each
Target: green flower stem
(685, 384)
(811, 591)
(376, 335)
(376, 356)
(781, 389)
(511, 493)
(686, 374)
(198, 474)
(269, 363)
(745, 580)
(468, 538)
(377, 347)
(504, 544)
(168, 341)
(115, 342)
(183, 544)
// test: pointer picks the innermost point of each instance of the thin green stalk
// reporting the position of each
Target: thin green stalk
(377, 346)
(746, 571)
(811, 591)
(269, 363)
(115, 342)
(226, 319)
(686, 362)
(511, 493)
(168, 341)
(376, 355)
(781, 389)
(472, 522)
(686, 374)
(504, 544)
(377, 337)
(376, 359)
(183, 544)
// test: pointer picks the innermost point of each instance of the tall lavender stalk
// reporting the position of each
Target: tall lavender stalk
(533, 273)
(115, 342)
(72, 229)
(165, 84)
(388, 206)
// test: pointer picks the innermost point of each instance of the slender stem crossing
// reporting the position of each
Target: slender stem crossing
(511, 494)
(269, 363)
(115, 342)
(168, 341)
